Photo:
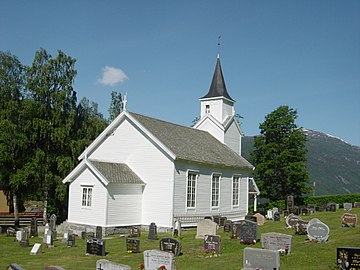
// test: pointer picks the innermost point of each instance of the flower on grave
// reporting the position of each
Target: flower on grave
(129, 251)
(282, 252)
(141, 266)
(254, 242)
(162, 267)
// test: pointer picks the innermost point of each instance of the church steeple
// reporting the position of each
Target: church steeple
(218, 87)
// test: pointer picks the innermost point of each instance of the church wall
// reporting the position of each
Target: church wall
(233, 138)
(130, 145)
(214, 130)
(124, 204)
(94, 215)
(203, 192)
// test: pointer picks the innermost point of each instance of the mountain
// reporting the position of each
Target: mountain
(333, 164)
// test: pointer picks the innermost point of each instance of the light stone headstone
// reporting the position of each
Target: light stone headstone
(153, 259)
(36, 249)
(269, 214)
(109, 265)
(257, 258)
(19, 235)
(347, 206)
(276, 241)
(317, 231)
(205, 226)
(260, 219)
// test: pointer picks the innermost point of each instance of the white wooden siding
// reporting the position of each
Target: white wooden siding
(213, 129)
(233, 138)
(128, 144)
(94, 215)
(203, 192)
(124, 204)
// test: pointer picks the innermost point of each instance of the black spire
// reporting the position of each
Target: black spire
(218, 87)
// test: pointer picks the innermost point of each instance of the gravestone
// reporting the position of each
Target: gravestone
(24, 241)
(87, 235)
(356, 204)
(269, 214)
(291, 220)
(222, 220)
(49, 240)
(312, 208)
(251, 218)
(289, 202)
(54, 267)
(347, 206)
(19, 235)
(52, 225)
(276, 241)
(10, 232)
(248, 232)
(133, 245)
(348, 258)
(205, 226)
(98, 233)
(216, 219)
(14, 266)
(317, 231)
(95, 246)
(36, 249)
(275, 210)
(257, 258)
(276, 216)
(46, 231)
(177, 228)
(152, 232)
(109, 265)
(34, 227)
(227, 226)
(154, 259)
(260, 219)
(65, 237)
(171, 245)
(134, 232)
(349, 220)
(235, 230)
(212, 244)
(71, 240)
(301, 227)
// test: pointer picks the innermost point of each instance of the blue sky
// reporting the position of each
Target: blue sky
(304, 54)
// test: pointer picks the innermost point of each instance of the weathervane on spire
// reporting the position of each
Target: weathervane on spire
(219, 37)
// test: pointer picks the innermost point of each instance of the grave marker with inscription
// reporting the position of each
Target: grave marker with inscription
(109, 265)
(347, 206)
(248, 232)
(153, 259)
(212, 244)
(152, 232)
(171, 245)
(133, 245)
(24, 242)
(276, 241)
(134, 232)
(349, 220)
(227, 226)
(34, 227)
(348, 258)
(71, 240)
(36, 249)
(317, 231)
(257, 258)
(95, 246)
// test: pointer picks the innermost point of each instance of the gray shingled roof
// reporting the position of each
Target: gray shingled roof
(191, 144)
(218, 87)
(117, 172)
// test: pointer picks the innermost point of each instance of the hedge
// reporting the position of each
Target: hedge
(339, 199)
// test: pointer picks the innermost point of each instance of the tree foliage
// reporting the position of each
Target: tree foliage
(116, 105)
(280, 156)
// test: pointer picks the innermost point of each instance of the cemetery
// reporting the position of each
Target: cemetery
(326, 244)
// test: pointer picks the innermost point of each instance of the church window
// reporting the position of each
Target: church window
(191, 189)
(215, 188)
(86, 196)
(207, 108)
(235, 191)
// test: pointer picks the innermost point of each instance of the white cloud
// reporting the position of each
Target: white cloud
(112, 76)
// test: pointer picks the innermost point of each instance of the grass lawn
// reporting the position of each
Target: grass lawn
(304, 254)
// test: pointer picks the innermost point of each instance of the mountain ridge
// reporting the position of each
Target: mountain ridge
(332, 163)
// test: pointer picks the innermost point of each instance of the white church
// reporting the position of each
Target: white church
(141, 170)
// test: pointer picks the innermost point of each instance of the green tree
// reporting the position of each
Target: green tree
(13, 140)
(280, 156)
(116, 105)
(53, 127)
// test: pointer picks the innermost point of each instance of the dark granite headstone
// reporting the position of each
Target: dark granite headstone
(133, 245)
(235, 230)
(276, 216)
(248, 232)
(71, 240)
(24, 242)
(171, 245)
(227, 225)
(14, 266)
(34, 227)
(348, 258)
(95, 246)
(98, 232)
(52, 225)
(152, 231)
(212, 244)
(134, 232)
(290, 202)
